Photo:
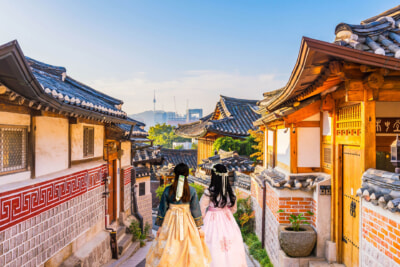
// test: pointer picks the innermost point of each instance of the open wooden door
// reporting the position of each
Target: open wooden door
(352, 173)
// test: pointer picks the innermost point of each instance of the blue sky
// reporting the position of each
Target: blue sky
(193, 50)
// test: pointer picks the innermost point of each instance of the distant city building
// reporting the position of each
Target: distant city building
(151, 118)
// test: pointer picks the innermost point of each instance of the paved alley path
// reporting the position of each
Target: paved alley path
(138, 259)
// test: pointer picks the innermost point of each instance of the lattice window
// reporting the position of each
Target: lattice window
(348, 121)
(142, 189)
(13, 149)
(88, 141)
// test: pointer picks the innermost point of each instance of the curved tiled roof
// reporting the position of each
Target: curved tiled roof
(65, 89)
(379, 34)
(176, 156)
(232, 117)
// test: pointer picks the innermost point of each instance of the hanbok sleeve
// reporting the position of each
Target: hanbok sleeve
(195, 209)
(234, 208)
(204, 202)
(162, 209)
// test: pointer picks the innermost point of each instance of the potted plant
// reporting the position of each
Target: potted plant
(297, 239)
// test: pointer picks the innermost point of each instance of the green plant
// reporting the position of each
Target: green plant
(199, 189)
(179, 147)
(160, 190)
(256, 250)
(137, 234)
(297, 220)
(244, 215)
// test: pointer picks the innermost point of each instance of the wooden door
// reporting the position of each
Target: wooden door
(352, 173)
(112, 188)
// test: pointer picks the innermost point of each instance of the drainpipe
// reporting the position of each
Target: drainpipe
(263, 213)
(134, 204)
(106, 193)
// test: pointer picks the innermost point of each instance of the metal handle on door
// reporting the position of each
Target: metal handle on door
(353, 206)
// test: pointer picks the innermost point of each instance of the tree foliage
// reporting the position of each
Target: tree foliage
(258, 137)
(244, 147)
(164, 135)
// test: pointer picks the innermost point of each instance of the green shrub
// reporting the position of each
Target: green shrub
(244, 215)
(160, 190)
(199, 190)
(137, 234)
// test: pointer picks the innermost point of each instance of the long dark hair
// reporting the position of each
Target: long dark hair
(215, 188)
(180, 169)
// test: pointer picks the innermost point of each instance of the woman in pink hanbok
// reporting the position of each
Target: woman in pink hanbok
(222, 233)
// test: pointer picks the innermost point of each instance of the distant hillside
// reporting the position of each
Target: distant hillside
(147, 117)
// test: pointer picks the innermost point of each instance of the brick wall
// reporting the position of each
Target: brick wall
(380, 237)
(289, 201)
(38, 221)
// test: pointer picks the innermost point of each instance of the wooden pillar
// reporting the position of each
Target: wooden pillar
(293, 149)
(275, 148)
(368, 133)
(265, 163)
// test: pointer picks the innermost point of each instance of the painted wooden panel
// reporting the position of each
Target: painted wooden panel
(352, 173)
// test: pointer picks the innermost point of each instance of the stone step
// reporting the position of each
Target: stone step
(124, 243)
(121, 231)
(324, 264)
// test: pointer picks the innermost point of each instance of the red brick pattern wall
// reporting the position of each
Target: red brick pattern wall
(52, 215)
(23, 203)
(381, 232)
(295, 205)
(127, 188)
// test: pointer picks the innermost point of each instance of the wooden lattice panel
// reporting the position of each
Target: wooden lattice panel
(348, 121)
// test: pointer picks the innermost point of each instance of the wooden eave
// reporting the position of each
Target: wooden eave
(17, 76)
(313, 72)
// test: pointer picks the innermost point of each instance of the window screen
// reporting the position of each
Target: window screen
(13, 149)
(88, 141)
(142, 189)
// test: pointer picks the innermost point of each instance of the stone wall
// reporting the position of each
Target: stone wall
(39, 221)
(380, 244)
(145, 201)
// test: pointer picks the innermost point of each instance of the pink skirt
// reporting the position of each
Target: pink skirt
(223, 238)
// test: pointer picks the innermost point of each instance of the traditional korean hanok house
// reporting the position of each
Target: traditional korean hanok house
(232, 117)
(326, 132)
(63, 164)
(145, 159)
(239, 168)
(171, 158)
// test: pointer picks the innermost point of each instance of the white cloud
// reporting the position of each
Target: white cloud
(200, 87)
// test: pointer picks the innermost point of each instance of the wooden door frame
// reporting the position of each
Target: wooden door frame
(339, 200)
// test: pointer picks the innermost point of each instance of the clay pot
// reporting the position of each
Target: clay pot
(297, 244)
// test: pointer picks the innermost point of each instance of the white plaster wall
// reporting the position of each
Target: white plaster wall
(326, 124)
(126, 155)
(51, 145)
(283, 146)
(77, 140)
(387, 109)
(270, 138)
(308, 146)
(315, 117)
(9, 118)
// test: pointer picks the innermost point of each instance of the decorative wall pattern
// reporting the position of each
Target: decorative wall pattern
(23, 203)
(127, 175)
